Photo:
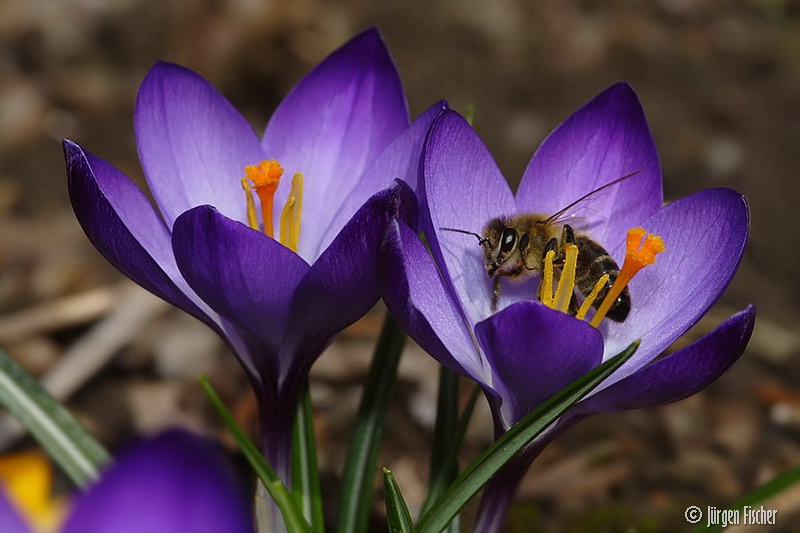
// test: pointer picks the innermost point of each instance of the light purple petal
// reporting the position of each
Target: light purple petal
(417, 297)
(680, 374)
(536, 352)
(333, 124)
(705, 235)
(399, 160)
(173, 483)
(245, 276)
(604, 140)
(124, 227)
(11, 520)
(342, 284)
(461, 188)
(193, 144)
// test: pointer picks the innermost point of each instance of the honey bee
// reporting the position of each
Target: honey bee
(515, 247)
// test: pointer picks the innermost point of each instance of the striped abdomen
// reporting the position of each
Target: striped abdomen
(593, 262)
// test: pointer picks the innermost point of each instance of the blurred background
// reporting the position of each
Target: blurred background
(720, 84)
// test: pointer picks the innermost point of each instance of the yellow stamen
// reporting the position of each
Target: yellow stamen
(566, 283)
(27, 479)
(252, 219)
(546, 291)
(290, 216)
(587, 303)
(265, 178)
(638, 254)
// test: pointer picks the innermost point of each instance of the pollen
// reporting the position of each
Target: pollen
(641, 249)
(546, 291)
(566, 283)
(262, 178)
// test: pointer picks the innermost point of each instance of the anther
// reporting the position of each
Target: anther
(546, 291)
(587, 303)
(640, 250)
(566, 283)
(291, 213)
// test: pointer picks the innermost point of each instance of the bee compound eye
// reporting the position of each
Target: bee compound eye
(508, 240)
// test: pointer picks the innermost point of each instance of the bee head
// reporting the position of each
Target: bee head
(505, 247)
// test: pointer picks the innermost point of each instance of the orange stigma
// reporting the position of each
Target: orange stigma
(263, 178)
(640, 250)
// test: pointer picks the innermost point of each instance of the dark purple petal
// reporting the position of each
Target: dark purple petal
(192, 142)
(461, 188)
(680, 374)
(124, 227)
(704, 234)
(536, 351)
(342, 283)
(333, 124)
(11, 520)
(604, 140)
(175, 482)
(399, 160)
(417, 297)
(245, 276)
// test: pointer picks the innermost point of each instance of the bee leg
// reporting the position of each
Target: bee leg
(567, 235)
(558, 258)
(495, 293)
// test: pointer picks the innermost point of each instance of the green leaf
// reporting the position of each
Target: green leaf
(67, 442)
(305, 475)
(292, 517)
(516, 438)
(444, 463)
(396, 508)
(359, 473)
(772, 487)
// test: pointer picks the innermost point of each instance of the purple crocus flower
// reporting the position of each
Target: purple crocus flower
(173, 482)
(343, 133)
(527, 351)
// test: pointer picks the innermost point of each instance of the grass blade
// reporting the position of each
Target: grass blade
(66, 441)
(357, 485)
(504, 448)
(305, 474)
(292, 517)
(396, 508)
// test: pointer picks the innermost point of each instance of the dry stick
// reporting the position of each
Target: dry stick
(58, 314)
(135, 310)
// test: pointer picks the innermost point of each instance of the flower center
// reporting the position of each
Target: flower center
(263, 179)
(640, 250)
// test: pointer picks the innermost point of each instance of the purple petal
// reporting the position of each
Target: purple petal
(704, 234)
(333, 124)
(342, 284)
(536, 352)
(192, 143)
(399, 160)
(461, 188)
(124, 227)
(604, 140)
(680, 374)
(245, 276)
(419, 300)
(11, 520)
(175, 482)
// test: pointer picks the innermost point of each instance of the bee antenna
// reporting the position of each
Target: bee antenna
(481, 240)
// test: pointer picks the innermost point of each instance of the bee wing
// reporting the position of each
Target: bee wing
(586, 204)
